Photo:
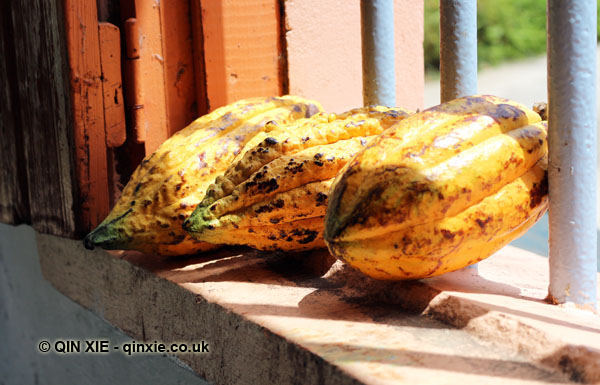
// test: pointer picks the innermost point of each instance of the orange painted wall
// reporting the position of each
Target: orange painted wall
(324, 52)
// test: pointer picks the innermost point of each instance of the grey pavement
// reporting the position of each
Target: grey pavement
(525, 82)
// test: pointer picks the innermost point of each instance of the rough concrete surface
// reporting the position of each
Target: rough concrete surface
(31, 311)
(276, 318)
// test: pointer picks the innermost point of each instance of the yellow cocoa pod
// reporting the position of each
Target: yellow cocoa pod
(275, 196)
(442, 189)
(168, 184)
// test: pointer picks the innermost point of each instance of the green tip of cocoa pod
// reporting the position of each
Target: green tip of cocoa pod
(200, 221)
(106, 235)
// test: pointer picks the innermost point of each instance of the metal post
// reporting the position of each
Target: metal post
(458, 51)
(378, 59)
(458, 48)
(572, 139)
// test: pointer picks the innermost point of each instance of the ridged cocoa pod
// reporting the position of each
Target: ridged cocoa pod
(443, 189)
(274, 197)
(166, 187)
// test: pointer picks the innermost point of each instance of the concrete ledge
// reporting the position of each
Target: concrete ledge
(287, 319)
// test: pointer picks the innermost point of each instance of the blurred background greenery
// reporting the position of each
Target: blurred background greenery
(506, 30)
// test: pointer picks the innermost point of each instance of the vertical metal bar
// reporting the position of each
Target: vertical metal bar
(458, 51)
(378, 56)
(458, 48)
(572, 141)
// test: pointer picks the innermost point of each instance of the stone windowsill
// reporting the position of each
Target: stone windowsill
(278, 319)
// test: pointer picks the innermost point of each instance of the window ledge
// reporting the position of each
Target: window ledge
(274, 318)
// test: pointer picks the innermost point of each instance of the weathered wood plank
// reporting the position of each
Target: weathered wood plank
(151, 121)
(43, 112)
(88, 112)
(180, 88)
(14, 205)
(110, 58)
(198, 50)
(242, 48)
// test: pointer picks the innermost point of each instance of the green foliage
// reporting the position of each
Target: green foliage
(506, 30)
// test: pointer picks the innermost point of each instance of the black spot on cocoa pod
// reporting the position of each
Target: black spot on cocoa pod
(271, 141)
(294, 167)
(275, 220)
(250, 230)
(481, 223)
(137, 188)
(363, 141)
(308, 235)
(163, 225)
(146, 203)
(321, 199)
(447, 234)
(311, 236)
(132, 203)
(539, 191)
(263, 209)
(278, 203)
(319, 163)
(269, 186)
(318, 155)
(178, 239)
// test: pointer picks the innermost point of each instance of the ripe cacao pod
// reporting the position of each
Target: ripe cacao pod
(275, 196)
(168, 184)
(442, 189)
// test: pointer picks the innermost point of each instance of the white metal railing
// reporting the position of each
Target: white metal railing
(378, 52)
(572, 119)
(572, 141)
(458, 49)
